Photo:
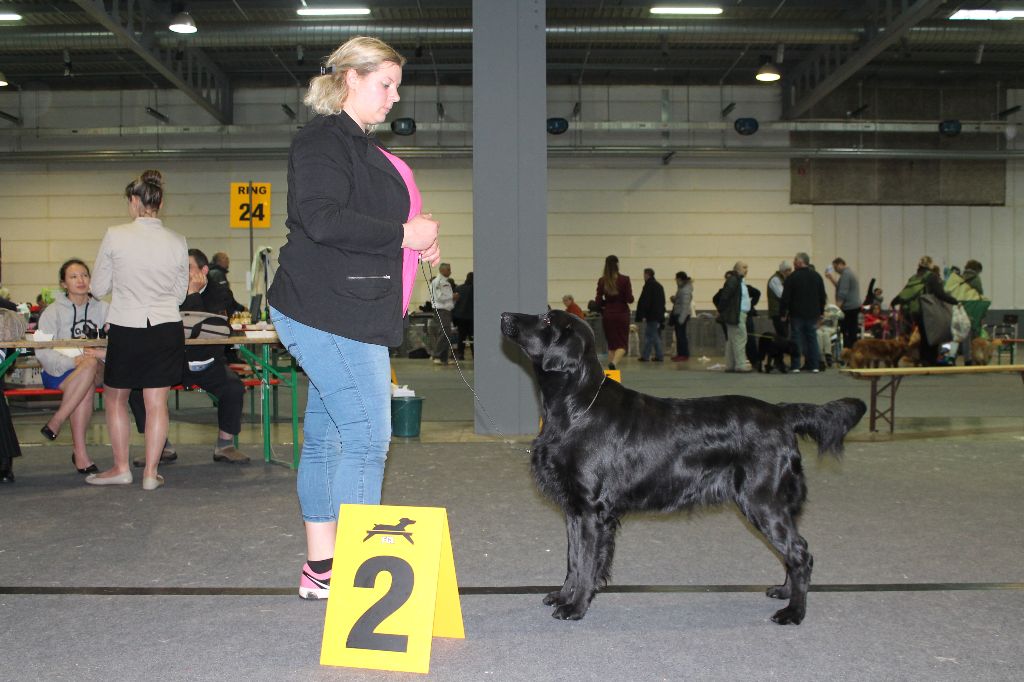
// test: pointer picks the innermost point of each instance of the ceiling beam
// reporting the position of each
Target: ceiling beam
(188, 69)
(830, 66)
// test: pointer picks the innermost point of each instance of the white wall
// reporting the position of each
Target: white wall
(698, 216)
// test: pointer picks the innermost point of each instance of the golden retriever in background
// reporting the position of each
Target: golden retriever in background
(875, 353)
(981, 351)
(913, 352)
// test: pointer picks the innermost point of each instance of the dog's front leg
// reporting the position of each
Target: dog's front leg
(593, 566)
(572, 530)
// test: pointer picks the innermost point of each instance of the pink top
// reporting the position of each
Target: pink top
(410, 257)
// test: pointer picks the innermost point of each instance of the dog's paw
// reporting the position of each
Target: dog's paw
(778, 592)
(569, 612)
(789, 616)
(555, 598)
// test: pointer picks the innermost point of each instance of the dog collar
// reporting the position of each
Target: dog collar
(594, 399)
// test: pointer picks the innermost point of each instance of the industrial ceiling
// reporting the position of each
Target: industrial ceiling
(817, 45)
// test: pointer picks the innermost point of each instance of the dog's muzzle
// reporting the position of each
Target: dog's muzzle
(508, 325)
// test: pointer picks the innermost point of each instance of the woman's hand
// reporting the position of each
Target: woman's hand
(98, 353)
(420, 232)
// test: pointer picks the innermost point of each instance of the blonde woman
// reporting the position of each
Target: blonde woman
(343, 285)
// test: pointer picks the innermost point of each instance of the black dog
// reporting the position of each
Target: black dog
(771, 348)
(605, 450)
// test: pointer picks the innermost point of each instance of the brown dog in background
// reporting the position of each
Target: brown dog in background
(874, 352)
(981, 351)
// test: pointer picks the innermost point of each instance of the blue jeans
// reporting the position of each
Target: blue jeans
(652, 341)
(347, 426)
(803, 330)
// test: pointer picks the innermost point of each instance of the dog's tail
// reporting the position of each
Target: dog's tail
(827, 424)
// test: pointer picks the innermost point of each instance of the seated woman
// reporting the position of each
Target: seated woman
(75, 315)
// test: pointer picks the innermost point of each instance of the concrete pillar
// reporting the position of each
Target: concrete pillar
(509, 202)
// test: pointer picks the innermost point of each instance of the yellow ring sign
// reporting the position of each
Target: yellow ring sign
(244, 211)
(393, 588)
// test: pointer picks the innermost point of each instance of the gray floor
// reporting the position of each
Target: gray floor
(918, 543)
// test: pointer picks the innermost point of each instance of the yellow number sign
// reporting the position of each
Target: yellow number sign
(393, 588)
(242, 210)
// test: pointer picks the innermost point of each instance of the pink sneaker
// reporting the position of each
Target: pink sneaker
(314, 585)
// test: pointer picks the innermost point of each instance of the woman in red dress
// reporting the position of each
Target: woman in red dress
(614, 294)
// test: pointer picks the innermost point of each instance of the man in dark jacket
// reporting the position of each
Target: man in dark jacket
(206, 367)
(218, 278)
(803, 302)
(650, 310)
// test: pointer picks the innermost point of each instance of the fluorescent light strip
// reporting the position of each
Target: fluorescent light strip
(989, 14)
(9, 16)
(331, 11)
(686, 10)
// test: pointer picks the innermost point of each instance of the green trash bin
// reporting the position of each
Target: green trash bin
(406, 412)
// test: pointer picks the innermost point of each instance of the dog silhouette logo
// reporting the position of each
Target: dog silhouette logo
(397, 529)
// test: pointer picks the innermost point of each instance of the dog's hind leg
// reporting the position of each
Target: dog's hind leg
(779, 527)
(563, 595)
(593, 567)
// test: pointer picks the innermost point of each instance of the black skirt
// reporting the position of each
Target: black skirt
(145, 357)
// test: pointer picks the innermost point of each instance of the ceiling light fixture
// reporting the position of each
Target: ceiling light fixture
(9, 16)
(332, 11)
(768, 73)
(3, 80)
(988, 14)
(183, 23)
(682, 11)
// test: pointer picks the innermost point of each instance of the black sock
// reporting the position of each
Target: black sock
(320, 566)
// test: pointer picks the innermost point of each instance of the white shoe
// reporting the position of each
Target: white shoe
(119, 479)
(152, 483)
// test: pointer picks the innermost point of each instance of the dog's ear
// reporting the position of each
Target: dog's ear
(564, 353)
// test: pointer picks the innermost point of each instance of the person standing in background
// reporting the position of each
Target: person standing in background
(145, 265)
(847, 299)
(775, 285)
(682, 305)
(650, 310)
(803, 303)
(462, 315)
(733, 303)
(614, 294)
(356, 233)
(443, 297)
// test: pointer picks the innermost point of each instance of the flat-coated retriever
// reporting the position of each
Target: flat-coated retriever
(770, 351)
(605, 450)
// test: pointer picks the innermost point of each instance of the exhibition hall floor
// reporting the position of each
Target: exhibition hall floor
(918, 544)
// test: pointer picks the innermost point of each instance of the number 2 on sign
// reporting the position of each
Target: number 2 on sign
(363, 634)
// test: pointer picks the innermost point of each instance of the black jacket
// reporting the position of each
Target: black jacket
(341, 268)
(219, 278)
(651, 306)
(803, 295)
(728, 300)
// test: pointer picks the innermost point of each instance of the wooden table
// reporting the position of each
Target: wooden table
(896, 374)
(261, 364)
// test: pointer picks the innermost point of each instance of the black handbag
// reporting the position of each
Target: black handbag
(937, 317)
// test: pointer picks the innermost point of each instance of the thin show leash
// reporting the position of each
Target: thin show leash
(428, 276)
(428, 273)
